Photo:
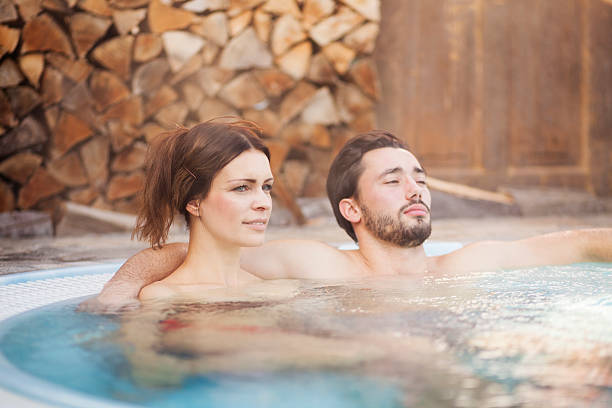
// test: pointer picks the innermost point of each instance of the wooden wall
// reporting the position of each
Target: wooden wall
(501, 92)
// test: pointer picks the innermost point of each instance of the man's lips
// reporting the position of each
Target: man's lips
(417, 210)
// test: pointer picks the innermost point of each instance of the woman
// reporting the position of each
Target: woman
(218, 176)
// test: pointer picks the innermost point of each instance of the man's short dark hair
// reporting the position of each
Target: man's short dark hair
(346, 169)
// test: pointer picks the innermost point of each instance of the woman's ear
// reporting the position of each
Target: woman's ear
(193, 207)
(350, 210)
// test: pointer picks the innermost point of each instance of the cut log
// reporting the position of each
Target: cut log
(94, 155)
(53, 86)
(321, 109)
(151, 131)
(370, 9)
(59, 6)
(20, 166)
(243, 92)
(83, 196)
(316, 10)
(121, 134)
(363, 39)
(214, 28)
(364, 122)
(238, 6)
(284, 195)
(295, 173)
(245, 51)
(43, 34)
(274, 82)
(76, 70)
(212, 108)
(192, 66)
(334, 27)
(127, 111)
(212, 79)
(130, 159)
(299, 133)
(363, 72)
(41, 185)
(287, 31)
(9, 74)
(7, 117)
(86, 30)
(116, 55)
(472, 193)
(180, 47)
(128, 4)
(9, 38)
(125, 186)
(172, 115)
(163, 97)
(262, 22)
(150, 76)
(28, 9)
(147, 46)
(340, 56)
(98, 7)
(351, 102)
(32, 66)
(52, 116)
(107, 89)
(200, 6)
(166, 18)
(321, 71)
(69, 131)
(295, 101)
(68, 170)
(127, 21)
(240, 22)
(192, 95)
(23, 100)
(282, 7)
(7, 11)
(266, 119)
(209, 52)
(77, 99)
(7, 198)
(29, 133)
(297, 60)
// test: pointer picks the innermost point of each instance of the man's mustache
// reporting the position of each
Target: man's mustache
(413, 202)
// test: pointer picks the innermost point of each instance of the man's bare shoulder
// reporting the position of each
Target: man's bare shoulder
(157, 290)
(301, 259)
(471, 258)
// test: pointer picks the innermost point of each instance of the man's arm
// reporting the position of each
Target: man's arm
(559, 248)
(142, 269)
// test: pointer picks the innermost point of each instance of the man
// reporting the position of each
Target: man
(379, 195)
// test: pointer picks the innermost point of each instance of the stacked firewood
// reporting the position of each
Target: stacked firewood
(87, 84)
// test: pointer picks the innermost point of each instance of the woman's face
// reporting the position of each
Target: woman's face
(237, 207)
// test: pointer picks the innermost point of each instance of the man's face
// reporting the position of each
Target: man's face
(393, 197)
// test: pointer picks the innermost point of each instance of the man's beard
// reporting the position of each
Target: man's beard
(389, 229)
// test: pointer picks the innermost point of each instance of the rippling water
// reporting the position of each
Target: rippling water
(531, 337)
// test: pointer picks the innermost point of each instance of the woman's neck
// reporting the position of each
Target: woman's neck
(209, 260)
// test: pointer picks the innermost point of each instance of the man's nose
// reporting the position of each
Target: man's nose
(413, 189)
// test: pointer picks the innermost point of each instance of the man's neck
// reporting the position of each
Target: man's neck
(383, 258)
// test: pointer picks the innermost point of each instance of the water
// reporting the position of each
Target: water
(531, 337)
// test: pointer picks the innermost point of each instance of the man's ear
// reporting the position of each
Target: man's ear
(350, 210)
(193, 207)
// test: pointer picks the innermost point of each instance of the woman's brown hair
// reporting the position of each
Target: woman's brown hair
(181, 166)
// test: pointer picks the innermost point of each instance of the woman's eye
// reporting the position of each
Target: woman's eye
(241, 188)
(267, 187)
(423, 182)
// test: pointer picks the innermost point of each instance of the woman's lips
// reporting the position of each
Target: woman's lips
(258, 225)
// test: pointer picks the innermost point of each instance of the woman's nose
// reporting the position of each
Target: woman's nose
(262, 201)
